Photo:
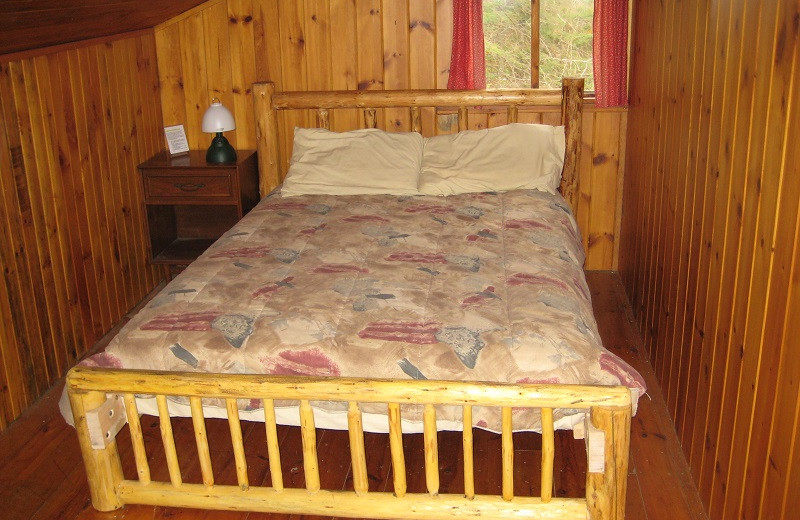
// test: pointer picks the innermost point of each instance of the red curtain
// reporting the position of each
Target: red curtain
(610, 52)
(467, 62)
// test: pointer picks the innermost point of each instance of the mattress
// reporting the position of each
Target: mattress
(473, 287)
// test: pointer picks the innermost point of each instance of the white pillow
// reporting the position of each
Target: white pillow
(510, 157)
(368, 161)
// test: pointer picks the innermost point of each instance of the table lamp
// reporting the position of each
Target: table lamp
(218, 119)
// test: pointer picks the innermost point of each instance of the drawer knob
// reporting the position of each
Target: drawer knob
(189, 186)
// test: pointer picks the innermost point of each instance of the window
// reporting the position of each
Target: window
(563, 47)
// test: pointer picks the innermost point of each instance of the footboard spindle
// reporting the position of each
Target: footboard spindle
(169, 441)
(431, 450)
(508, 455)
(396, 447)
(548, 451)
(358, 456)
(309, 434)
(273, 450)
(236, 440)
(137, 439)
(469, 471)
(201, 439)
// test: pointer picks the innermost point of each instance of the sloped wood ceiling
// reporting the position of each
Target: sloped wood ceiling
(31, 24)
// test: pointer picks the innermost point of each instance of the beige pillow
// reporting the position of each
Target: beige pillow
(510, 157)
(368, 161)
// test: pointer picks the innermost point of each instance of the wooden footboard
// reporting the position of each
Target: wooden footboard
(103, 400)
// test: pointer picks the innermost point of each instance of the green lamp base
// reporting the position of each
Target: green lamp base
(220, 151)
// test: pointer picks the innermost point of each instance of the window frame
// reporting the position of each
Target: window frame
(535, 35)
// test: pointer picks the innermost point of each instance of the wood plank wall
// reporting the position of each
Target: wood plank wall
(221, 47)
(711, 239)
(75, 123)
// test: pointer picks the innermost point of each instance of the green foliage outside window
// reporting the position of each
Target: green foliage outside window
(565, 42)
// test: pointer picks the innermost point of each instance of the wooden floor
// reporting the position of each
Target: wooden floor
(42, 477)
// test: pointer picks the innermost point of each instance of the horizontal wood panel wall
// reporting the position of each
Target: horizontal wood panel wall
(710, 244)
(75, 123)
(221, 47)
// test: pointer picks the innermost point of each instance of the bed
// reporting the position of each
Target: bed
(391, 313)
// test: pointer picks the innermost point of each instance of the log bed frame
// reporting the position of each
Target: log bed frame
(103, 400)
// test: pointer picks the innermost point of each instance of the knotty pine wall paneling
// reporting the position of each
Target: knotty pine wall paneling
(710, 239)
(221, 47)
(75, 123)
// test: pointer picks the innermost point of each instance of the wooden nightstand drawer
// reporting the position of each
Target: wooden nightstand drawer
(195, 186)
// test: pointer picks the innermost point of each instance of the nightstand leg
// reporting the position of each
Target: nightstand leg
(167, 273)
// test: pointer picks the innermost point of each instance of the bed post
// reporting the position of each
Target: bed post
(571, 108)
(269, 175)
(103, 466)
(605, 492)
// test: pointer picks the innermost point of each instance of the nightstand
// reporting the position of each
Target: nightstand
(191, 203)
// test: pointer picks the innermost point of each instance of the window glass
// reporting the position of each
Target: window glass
(565, 42)
(507, 39)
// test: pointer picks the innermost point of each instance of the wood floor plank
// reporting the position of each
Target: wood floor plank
(25, 436)
(451, 462)
(569, 466)
(487, 463)
(659, 483)
(71, 499)
(527, 465)
(333, 461)
(654, 465)
(656, 455)
(221, 450)
(379, 462)
(634, 502)
(413, 449)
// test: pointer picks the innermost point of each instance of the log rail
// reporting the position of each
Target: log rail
(608, 411)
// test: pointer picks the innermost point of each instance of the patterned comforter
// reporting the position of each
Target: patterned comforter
(480, 287)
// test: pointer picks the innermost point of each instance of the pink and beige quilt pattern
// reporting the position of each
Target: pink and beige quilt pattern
(473, 287)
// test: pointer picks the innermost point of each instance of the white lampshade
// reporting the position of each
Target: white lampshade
(218, 118)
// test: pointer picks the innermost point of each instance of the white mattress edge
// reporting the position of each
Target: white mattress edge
(290, 416)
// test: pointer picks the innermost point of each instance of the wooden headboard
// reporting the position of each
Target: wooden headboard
(267, 102)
